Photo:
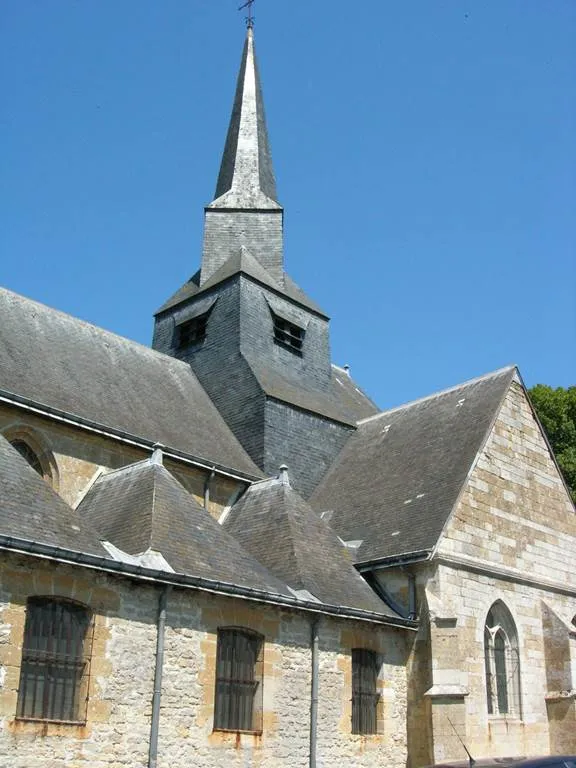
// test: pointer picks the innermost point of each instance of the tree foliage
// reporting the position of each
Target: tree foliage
(556, 409)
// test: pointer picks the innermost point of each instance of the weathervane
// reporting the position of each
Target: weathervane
(250, 18)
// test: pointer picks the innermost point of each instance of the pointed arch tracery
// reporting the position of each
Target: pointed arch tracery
(502, 662)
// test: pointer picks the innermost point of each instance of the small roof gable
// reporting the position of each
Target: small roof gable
(282, 532)
(68, 365)
(241, 262)
(31, 510)
(342, 401)
(396, 481)
(143, 507)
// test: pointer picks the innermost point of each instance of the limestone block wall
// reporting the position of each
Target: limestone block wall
(121, 672)
(511, 538)
(74, 458)
(121, 680)
(458, 658)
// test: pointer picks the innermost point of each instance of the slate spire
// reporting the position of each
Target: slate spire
(245, 212)
(246, 178)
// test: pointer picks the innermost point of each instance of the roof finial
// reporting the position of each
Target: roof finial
(157, 454)
(283, 476)
(250, 18)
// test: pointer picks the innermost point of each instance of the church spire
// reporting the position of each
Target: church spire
(245, 215)
(246, 178)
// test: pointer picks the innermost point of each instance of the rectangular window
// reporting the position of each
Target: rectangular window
(192, 332)
(55, 662)
(365, 695)
(239, 670)
(288, 335)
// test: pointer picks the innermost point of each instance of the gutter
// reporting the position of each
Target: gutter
(418, 556)
(209, 586)
(124, 437)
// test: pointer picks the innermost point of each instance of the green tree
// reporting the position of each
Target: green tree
(556, 409)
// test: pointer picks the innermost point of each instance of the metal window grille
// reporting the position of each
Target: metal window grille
(365, 696)
(192, 332)
(27, 453)
(288, 335)
(54, 675)
(239, 670)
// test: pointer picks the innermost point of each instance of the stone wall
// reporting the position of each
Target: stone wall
(512, 538)
(121, 680)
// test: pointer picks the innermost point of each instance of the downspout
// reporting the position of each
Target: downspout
(314, 694)
(155, 722)
(207, 485)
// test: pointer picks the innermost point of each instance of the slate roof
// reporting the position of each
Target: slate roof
(246, 178)
(397, 479)
(283, 533)
(343, 401)
(66, 364)
(143, 506)
(241, 262)
(31, 510)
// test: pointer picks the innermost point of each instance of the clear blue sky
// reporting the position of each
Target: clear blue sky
(424, 150)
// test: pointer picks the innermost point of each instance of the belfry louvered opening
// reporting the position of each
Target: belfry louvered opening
(288, 335)
(54, 676)
(365, 695)
(239, 673)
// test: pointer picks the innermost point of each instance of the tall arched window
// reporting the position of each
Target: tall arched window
(502, 660)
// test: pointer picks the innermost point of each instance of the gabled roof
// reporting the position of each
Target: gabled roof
(342, 401)
(31, 510)
(397, 479)
(283, 533)
(65, 364)
(143, 507)
(241, 262)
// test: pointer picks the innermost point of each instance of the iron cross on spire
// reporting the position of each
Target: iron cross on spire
(250, 18)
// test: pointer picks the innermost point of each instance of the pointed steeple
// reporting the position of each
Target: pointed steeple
(245, 211)
(246, 178)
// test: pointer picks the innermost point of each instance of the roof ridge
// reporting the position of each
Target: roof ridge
(87, 323)
(439, 393)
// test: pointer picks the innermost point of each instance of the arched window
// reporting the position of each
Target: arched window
(239, 677)
(55, 661)
(502, 660)
(27, 453)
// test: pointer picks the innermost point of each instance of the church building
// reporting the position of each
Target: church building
(219, 552)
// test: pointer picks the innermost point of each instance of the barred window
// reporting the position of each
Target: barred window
(502, 662)
(288, 335)
(365, 695)
(239, 672)
(55, 667)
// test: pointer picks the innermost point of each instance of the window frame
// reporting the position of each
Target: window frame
(60, 680)
(502, 663)
(288, 335)
(185, 339)
(366, 697)
(234, 710)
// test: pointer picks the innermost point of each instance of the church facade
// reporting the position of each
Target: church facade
(218, 551)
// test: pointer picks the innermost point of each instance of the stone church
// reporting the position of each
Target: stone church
(218, 551)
